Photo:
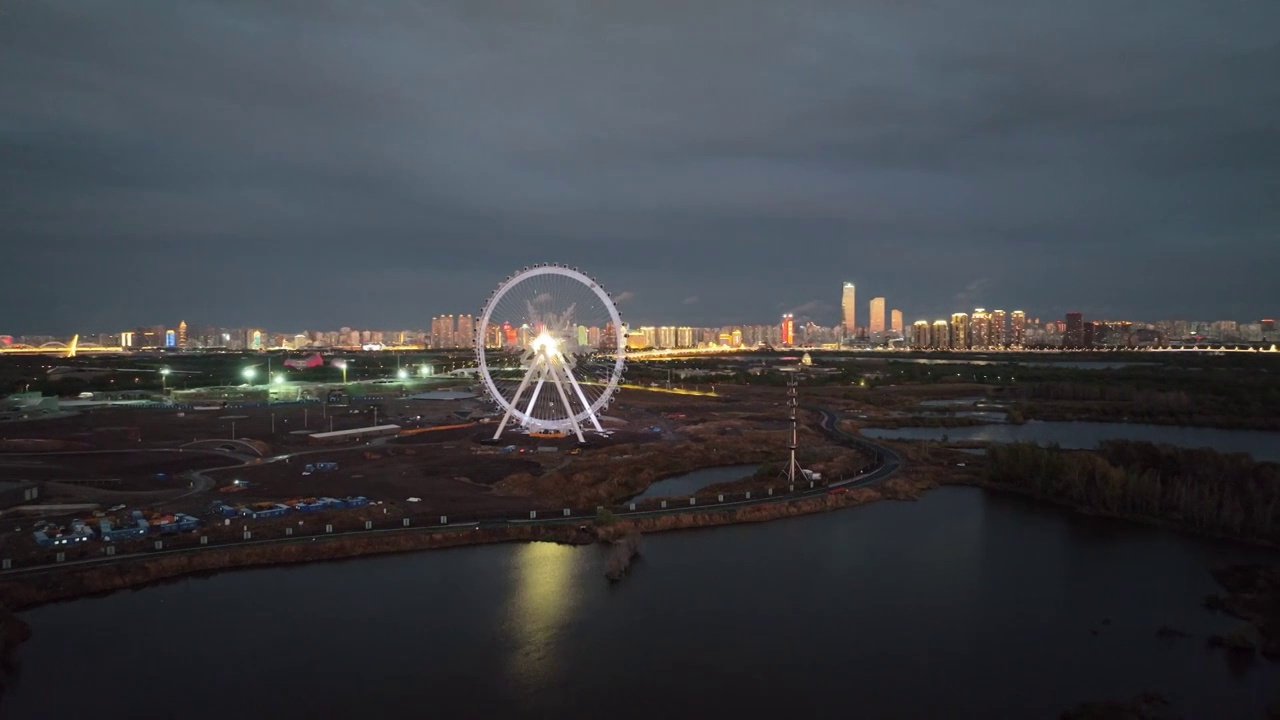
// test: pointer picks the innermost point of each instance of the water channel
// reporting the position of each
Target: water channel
(964, 604)
(1260, 444)
(691, 482)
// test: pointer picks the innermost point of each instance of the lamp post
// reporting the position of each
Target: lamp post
(164, 380)
(342, 365)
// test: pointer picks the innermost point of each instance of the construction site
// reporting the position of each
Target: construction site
(265, 470)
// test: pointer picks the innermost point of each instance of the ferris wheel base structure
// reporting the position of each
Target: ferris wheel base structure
(541, 315)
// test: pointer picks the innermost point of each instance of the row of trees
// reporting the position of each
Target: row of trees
(1203, 490)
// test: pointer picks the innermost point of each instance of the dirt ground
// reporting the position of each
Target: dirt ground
(452, 472)
(114, 470)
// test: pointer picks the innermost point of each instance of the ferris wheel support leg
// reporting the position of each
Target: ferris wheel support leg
(515, 401)
(583, 397)
(568, 408)
(537, 389)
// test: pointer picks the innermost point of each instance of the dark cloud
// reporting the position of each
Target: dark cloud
(314, 164)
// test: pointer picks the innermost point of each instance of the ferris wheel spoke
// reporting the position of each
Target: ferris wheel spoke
(550, 323)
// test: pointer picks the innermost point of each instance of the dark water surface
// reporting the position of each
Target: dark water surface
(961, 605)
(691, 482)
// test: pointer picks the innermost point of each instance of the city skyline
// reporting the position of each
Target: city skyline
(838, 312)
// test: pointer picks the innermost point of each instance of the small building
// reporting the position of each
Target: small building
(135, 529)
(76, 534)
(178, 523)
(262, 511)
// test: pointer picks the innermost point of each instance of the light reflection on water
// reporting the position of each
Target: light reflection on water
(539, 607)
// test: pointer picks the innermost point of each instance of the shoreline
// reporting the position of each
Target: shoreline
(1091, 512)
(21, 594)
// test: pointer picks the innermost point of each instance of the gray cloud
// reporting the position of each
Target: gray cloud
(291, 163)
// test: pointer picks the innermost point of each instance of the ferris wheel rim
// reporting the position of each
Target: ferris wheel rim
(619, 349)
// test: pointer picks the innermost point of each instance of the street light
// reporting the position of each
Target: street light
(402, 374)
(278, 379)
(164, 380)
(248, 374)
(342, 365)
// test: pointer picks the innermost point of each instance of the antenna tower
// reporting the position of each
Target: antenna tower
(793, 470)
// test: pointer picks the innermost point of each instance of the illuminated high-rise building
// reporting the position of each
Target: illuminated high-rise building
(848, 309)
(940, 338)
(787, 329)
(959, 331)
(666, 337)
(920, 334)
(895, 322)
(980, 329)
(999, 329)
(170, 338)
(684, 337)
(876, 323)
(1018, 336)
(465, 333)
(443, 332)
(735, 338)
(182, 333)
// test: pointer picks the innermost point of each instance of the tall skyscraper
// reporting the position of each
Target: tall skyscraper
(959, 331)
(1019, 334)
(920, 334)
(684, 337)
(788, 329)
(876, 323)
(895, 322)
(999, 330)
(182, 333)
(1073, 335)
(465, 334)
(848, 305)
(667, 336)
(980, 329)
(941, 337)
(443, 331)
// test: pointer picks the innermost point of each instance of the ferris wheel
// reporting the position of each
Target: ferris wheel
(550, 349)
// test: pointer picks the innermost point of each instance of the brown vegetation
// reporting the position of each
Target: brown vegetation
(601, 478)
(1201, 490)
(621, 555)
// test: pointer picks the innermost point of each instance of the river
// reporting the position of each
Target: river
(964, 604)
(1262, 445)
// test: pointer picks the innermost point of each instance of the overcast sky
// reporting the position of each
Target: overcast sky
(319, 163)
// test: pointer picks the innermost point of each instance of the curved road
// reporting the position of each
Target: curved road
(885, 463)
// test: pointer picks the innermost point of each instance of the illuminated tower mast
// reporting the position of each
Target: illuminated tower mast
(793, 469)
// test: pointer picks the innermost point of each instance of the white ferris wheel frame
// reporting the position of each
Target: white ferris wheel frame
(545, 366)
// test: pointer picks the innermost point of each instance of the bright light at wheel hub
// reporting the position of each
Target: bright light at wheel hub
(545, 343)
